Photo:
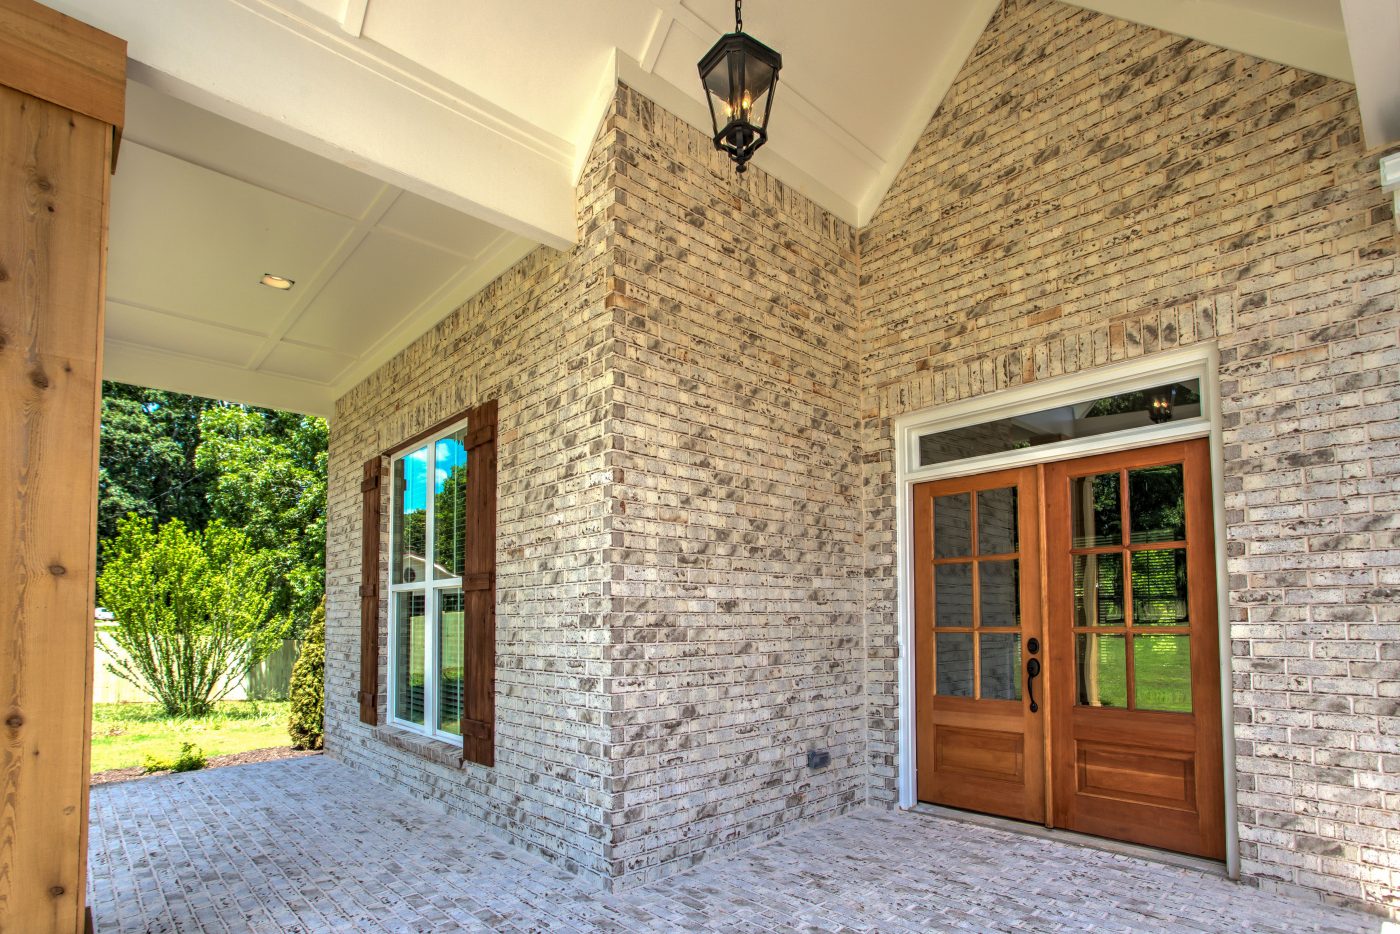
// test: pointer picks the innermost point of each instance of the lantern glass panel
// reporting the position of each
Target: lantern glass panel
(752, 75)
(738, 85)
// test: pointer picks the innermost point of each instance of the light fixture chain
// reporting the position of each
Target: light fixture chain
(738, 15)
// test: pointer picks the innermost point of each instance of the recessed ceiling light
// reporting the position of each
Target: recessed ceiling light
(276, 282)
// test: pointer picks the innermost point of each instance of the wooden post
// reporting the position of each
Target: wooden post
(62, 94)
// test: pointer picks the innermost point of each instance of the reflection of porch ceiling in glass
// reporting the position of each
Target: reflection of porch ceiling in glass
(1122, 411)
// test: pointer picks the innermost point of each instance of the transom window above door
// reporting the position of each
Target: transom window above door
(428, 527)
(1175, 401)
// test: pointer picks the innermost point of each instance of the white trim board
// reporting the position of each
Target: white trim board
(1201, 361)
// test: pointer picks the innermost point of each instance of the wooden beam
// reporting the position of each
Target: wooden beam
(65, 62)
(55, 160)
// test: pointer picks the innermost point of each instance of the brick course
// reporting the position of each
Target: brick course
(697, 544)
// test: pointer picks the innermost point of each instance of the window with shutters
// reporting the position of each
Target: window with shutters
(429, 523)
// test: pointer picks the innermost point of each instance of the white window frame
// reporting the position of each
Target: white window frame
(430, 587)
(1200, 362)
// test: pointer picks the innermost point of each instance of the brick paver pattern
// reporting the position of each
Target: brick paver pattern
(310, 845)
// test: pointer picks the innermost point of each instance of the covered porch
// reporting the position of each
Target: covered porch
(695, 403)
(314, 845)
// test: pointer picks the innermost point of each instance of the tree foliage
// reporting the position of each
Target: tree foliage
(307, 719)
(148, 468)
(193, 610)
(171, 456)
(269, 479)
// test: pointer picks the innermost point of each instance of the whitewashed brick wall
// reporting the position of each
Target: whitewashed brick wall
(1093, 190)
(534, 340)
(697, 524)
(737, 567)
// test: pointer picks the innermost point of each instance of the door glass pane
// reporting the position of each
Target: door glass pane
(953, 664)
(952, 526)
(996, 521)
(1096, 509)
(1162, 672)
(1098, 590)
(1159, 588)
(450, 635)
(449, 504)
(410, 517)
(1157, 504)
(1101, 670)
(1001, 665)
(952, 592)
(999, 591)
(409, 636)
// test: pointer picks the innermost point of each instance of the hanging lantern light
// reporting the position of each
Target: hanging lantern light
(1159, 406)
(739, 75)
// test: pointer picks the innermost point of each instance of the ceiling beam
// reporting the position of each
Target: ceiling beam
(198, 376)
(352, 21)
(1373, 34)
(310, 84)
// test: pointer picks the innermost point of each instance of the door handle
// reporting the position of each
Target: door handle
(1032, 669)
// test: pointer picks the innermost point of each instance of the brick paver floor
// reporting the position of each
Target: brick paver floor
(309, 845)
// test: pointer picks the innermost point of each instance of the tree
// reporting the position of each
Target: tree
(147, 465)
(307, 720)
(167, 456)
(269, 479)
(193, 610)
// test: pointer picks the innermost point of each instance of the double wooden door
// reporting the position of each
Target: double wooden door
(1066, 650)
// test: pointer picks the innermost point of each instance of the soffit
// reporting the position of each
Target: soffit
(860, 81)
(202, 207)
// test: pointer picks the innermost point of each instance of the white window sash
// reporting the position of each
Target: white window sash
(429, 587)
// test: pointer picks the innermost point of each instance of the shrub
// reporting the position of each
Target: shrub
(191, 759)
(309, 685)
(193, 611)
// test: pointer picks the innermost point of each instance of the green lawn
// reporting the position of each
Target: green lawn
(124, 734)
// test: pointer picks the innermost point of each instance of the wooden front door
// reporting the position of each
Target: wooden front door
(1132, 603)
(981, 743)
(1122, 734)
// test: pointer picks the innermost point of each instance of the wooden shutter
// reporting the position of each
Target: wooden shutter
(479, 589)
(369, 591)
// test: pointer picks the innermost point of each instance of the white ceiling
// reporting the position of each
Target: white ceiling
(202, 207)
(393, 156)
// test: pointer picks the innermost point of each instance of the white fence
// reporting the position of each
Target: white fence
(269, 679)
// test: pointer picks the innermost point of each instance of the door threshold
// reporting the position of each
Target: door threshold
(1151, 854)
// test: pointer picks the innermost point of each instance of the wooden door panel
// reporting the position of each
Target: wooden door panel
(1157, 777)
(1120, 769)
(975, 749)
(996, 755)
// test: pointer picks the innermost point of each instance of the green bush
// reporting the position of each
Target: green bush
(191, 759)
(309, 686)
(193, 610)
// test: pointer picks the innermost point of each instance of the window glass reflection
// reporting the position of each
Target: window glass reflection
(449, 505)
(411, 517)
(1091, 417)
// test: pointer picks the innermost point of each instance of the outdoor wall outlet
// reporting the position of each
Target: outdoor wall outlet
(818, 758)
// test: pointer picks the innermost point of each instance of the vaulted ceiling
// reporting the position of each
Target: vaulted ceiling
(392, 156)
